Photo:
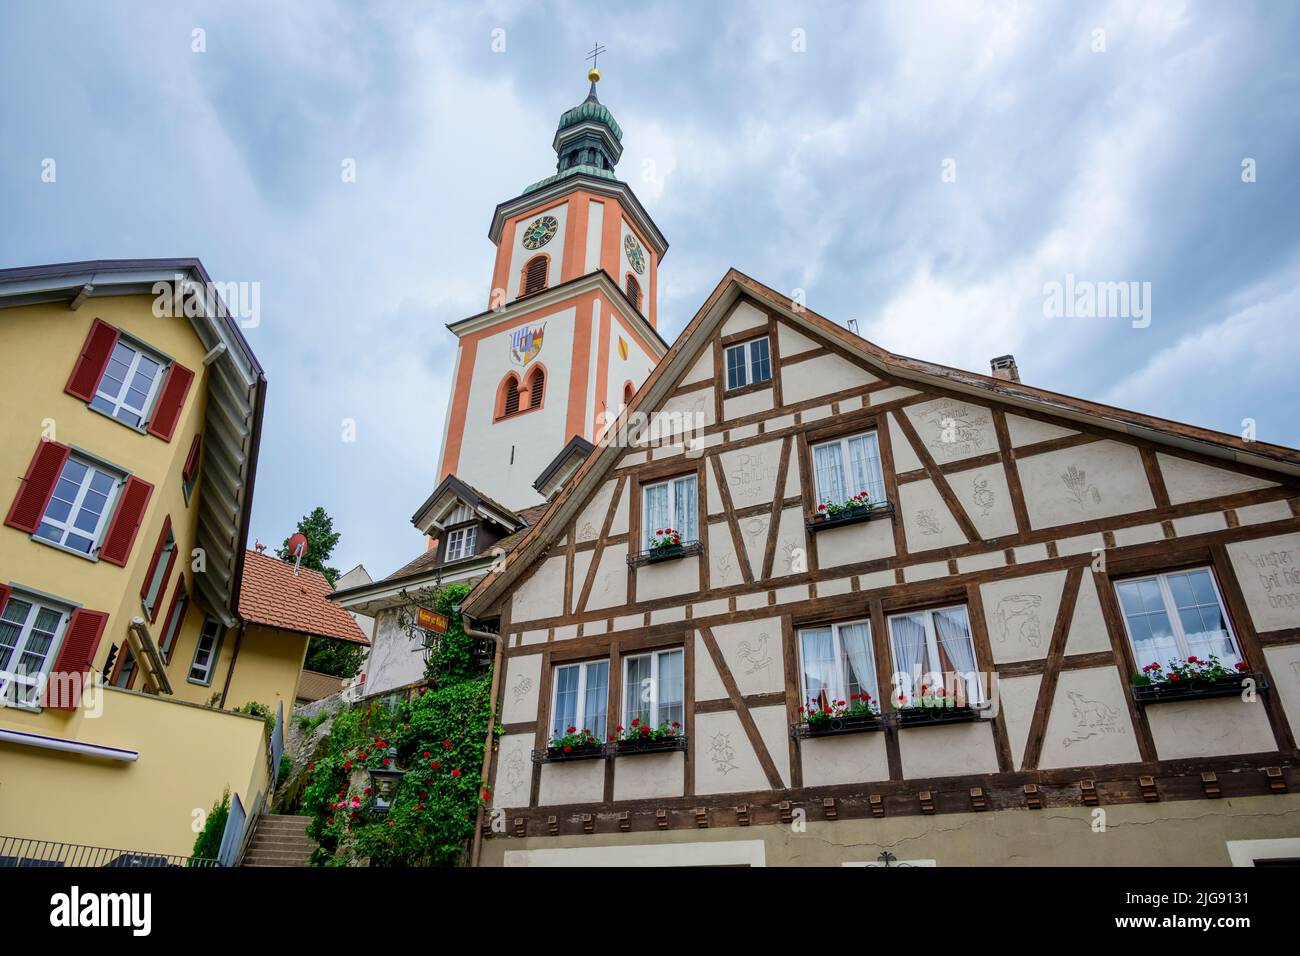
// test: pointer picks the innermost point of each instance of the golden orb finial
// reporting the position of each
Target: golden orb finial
(594, 75)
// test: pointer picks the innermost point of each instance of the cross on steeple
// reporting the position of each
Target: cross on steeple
(596, 51)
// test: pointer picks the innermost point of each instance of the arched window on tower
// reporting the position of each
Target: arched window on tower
(508, 397)
(535, 274)
(536, 387)
(628, 392)
(633, 290)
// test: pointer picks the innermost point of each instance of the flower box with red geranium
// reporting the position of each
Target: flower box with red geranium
(574, 744)
(858, 508)
(858, 714)
(934, 705)
(641, 738)
(1196, 678)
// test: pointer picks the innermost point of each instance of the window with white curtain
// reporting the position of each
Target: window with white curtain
(31, 629)
(581, 698)
(838, 662)
(748, 363)
(654, 689)
(1175, 616)
(672, 504)
(848, 466)
(933, 649)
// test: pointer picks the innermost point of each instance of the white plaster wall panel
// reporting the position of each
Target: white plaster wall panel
(702, 369)
(793, 484)
(815, 414)
(925, 572)
(592, 517)
(1017, 697)
(1088, 634)
(856, 758)
(628, 622)
(541, 594)
(1192, 481)
(854, 543)
(724, 569)
(485, 456)
(1090, 481)
(752, 652)
(791, 555)
(725, 761)
(708, 685)
(984, 494)
(887, 395)
(702, 609)
(751, 473)
(1020, 614)
(779, 422)
(926, 518)
(632, 459)
(1268, 570)
(948, 750)
(667, 615)
(514, 775)
(534, 637)
(645, 776)
(620, 523)
(1028, 431)
(573, 781)
(823, 375)
(753, 531)
(981, 562)
(751, 403)
(1200, 524)
(774, 729)
(1138, 535)
(519, 698)
(1031, 552)
(905, 458)
(800, 592)
(876, 579)
(680, 576)
(636, 368)
(742, 432)
(566, 632)
(952, 429)
(1089, 723)
(752, 601)
(593, 628)
(609, 587)
(1284, 665)
(1210, 728)
(1264, 511)
(683, 415)
(1081, 544)
(742, 318)
(595, 230)
(395, 660)
(792, 341)
(554, 248)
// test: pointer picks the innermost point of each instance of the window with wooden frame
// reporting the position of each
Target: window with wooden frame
(633, 291)
(1176, 616)
(837, 662)
(846, 467)
(580, 698)
(672, 504)
(206, 652)
(535, 275)
(933, 654)
(748, 363)
(31, 631)
(460, 543)
(77, 514)
(654, 689)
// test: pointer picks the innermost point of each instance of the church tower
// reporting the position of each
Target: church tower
(569, 330)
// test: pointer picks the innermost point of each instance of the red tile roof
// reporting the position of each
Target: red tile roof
(272, 595)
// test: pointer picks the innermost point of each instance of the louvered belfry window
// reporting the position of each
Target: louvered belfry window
(537, 386)
(634, 291)
(512, 397)
(535, 275)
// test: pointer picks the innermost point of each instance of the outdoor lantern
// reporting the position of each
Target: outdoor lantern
(384, 782)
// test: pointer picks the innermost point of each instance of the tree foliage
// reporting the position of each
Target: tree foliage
(336, 658)
(318, 526)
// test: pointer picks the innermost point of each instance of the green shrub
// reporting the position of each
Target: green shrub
(208, 843)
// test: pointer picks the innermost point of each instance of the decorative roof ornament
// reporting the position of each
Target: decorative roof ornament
(588, 139)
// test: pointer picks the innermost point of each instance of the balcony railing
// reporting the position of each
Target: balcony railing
(19, 852)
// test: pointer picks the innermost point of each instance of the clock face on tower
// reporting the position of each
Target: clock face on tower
(634, 253)
(540, 231)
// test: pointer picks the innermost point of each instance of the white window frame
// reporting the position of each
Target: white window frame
(154, 593)
(68, 526)
(655, 655)
(747, 367)
(934, 661)
(120, 402)
(9, 694)
(1171, 613)
(846, 468)
(580, 715)
(210, 624)
(460, 543)
(841, 687)
(647, 532)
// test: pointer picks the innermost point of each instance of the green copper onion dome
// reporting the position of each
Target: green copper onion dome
(593, 110)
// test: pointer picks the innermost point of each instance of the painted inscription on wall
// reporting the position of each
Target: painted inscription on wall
(1268, 570)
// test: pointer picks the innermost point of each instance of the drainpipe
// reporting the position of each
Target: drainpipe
(466, 622)
(234, 656)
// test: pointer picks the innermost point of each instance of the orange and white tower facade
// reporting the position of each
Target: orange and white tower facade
(569, 331)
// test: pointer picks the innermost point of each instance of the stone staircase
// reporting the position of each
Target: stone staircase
(280, 841)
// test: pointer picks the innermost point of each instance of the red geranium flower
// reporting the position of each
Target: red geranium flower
(455, 773)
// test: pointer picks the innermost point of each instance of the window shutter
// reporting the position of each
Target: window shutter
(173, 636)
(84, 380)
(192, 459)
(535, 275)
(153, 562)
(512, 397)
(38, 484)
(167, 410)
(4, 596)
(80, 642)
(539, 383)
(634, 291)
(122, 530)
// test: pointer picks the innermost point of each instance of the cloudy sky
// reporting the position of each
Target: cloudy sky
(925, 168)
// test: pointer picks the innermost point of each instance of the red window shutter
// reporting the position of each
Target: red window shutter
(125, 525)
(171, 398)
(4, 596)
(80, 643)
(84, 380)
(192, 459)
(153, 566)
(171, 612)
(38, 484)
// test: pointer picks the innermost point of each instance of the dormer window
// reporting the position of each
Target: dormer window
(460, 543)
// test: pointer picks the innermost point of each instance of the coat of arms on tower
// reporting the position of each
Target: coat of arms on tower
(525, 343)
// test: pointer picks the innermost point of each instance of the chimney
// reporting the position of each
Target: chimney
(1004, 367)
